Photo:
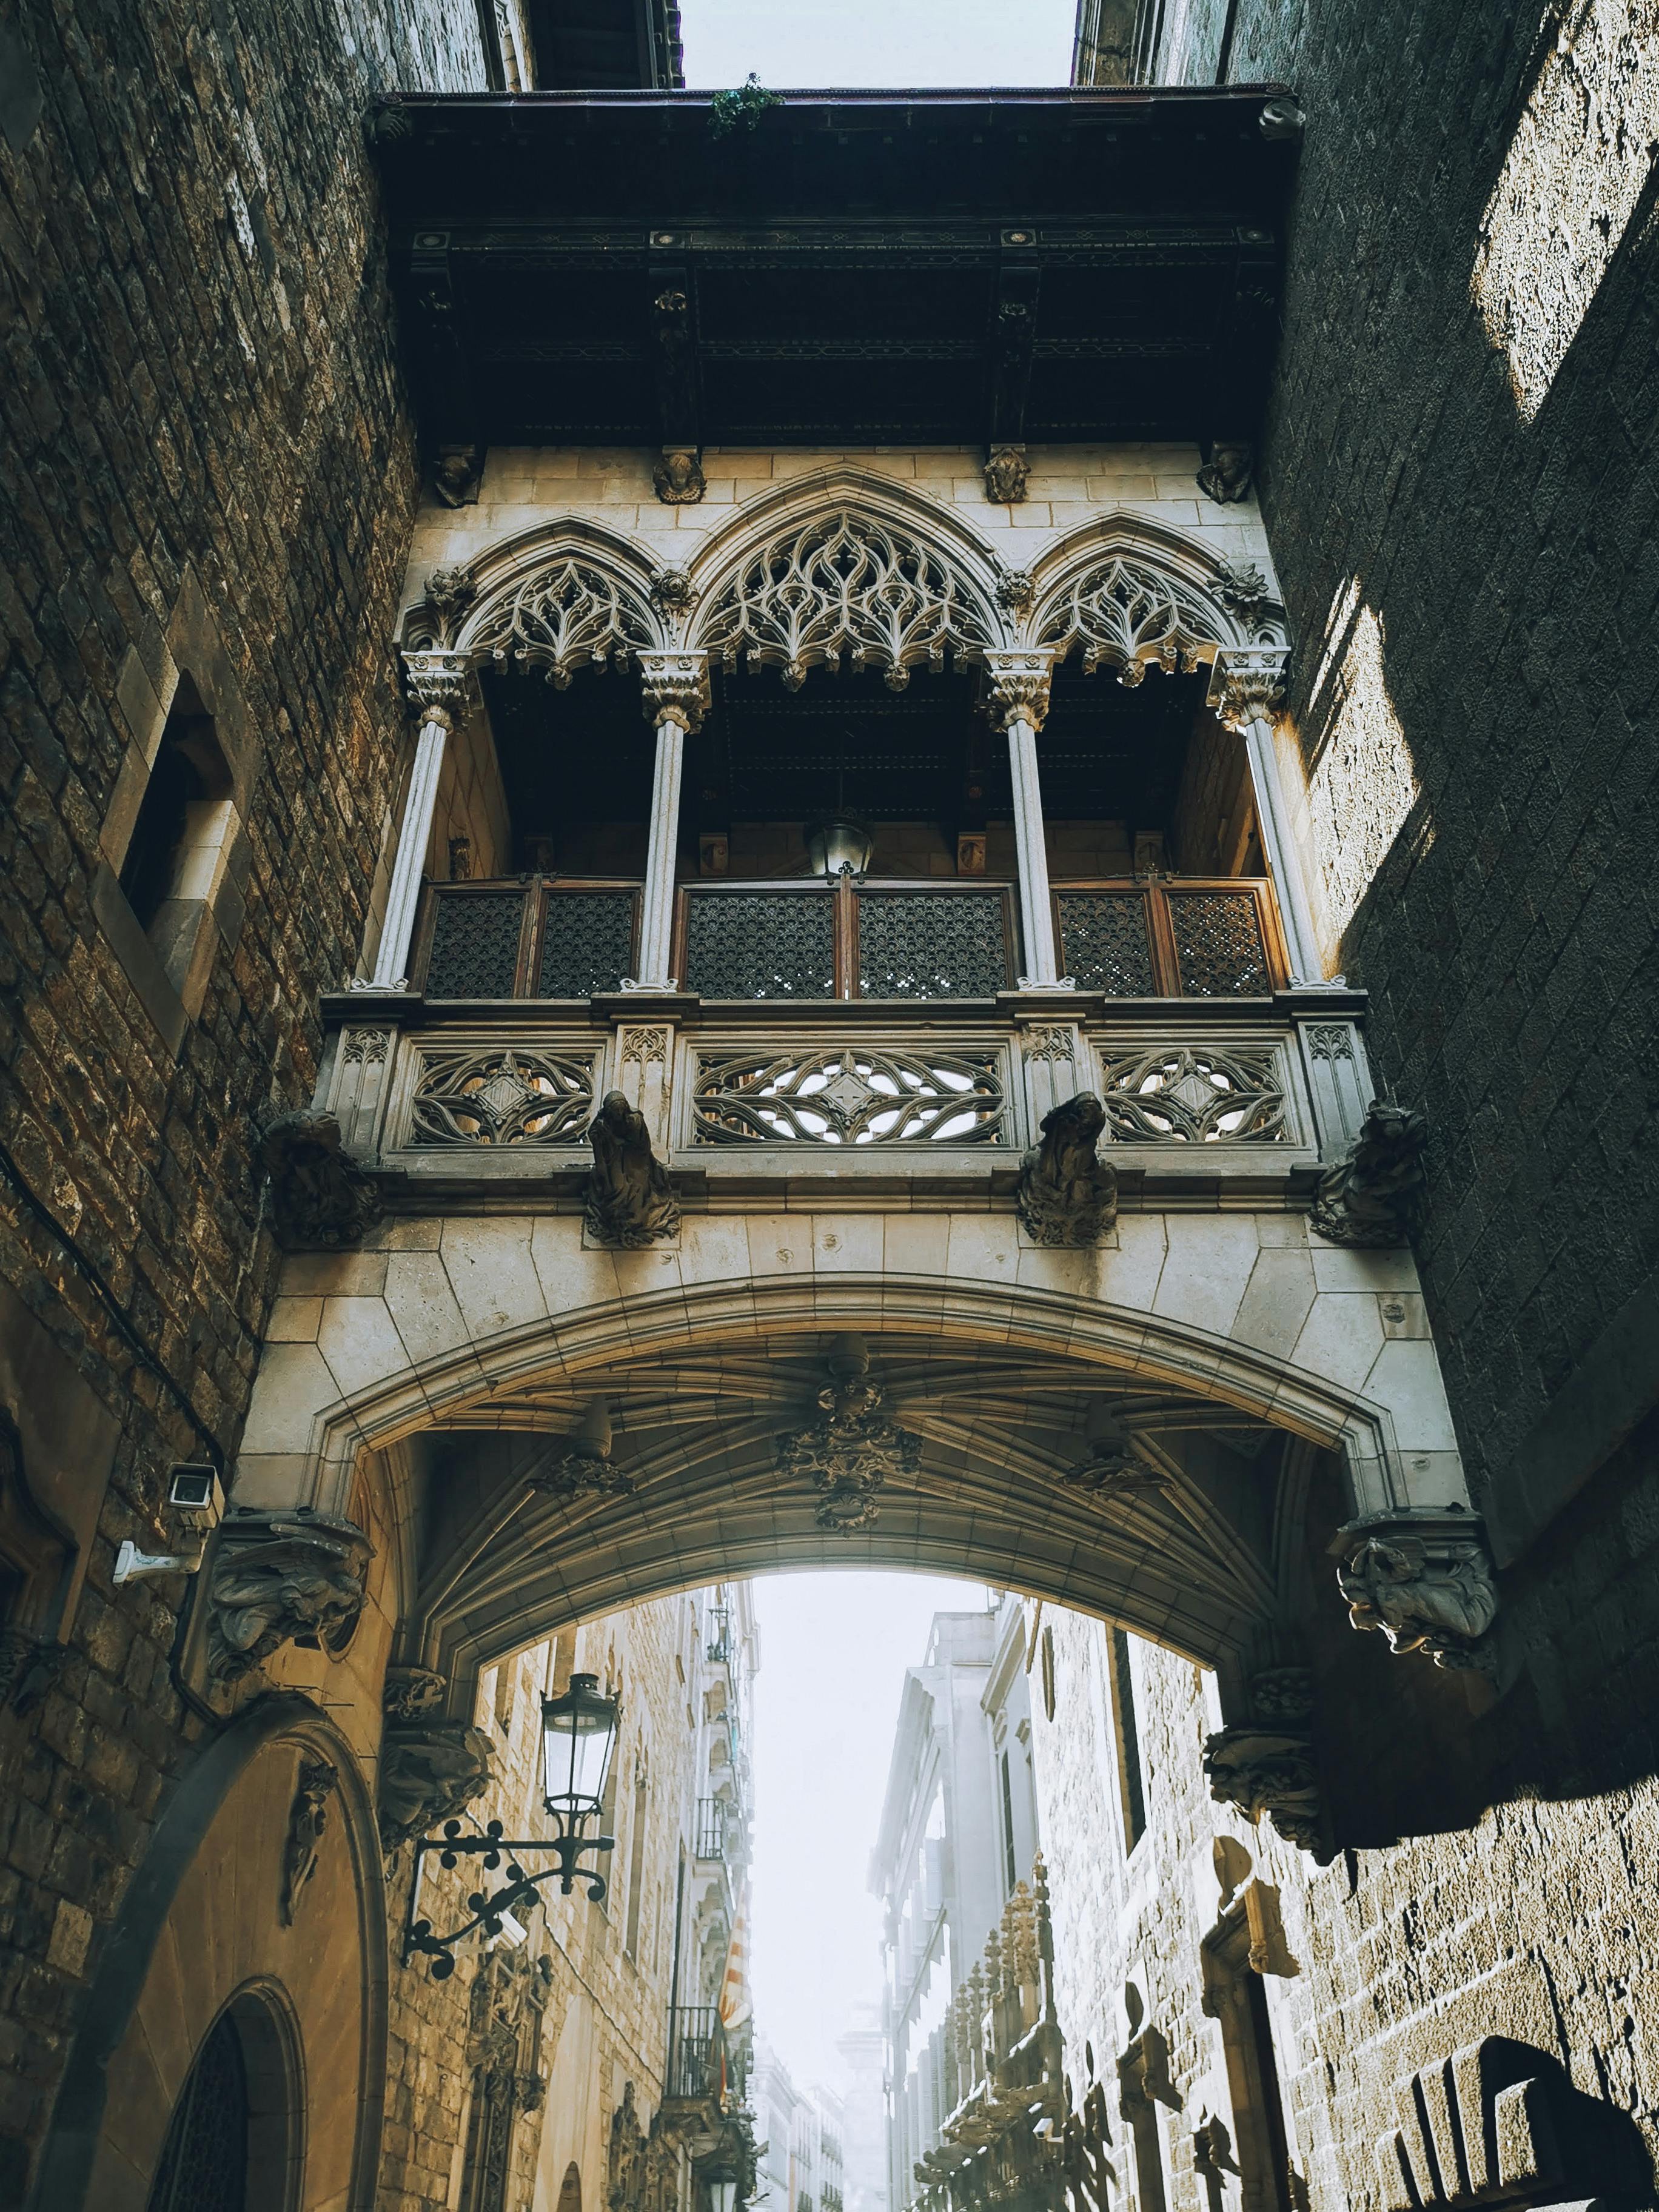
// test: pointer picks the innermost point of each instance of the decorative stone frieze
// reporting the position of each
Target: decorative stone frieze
(1066, 1195)
(849, 1096)
(1247, 684)
(320, 1199)
(307, 1822)
(502, 1097)
(848, 1455)
(441, 687)
(678, 476)
(1184, 1095)
(1375, 1195)
(281, 1576)
(1016, 687)
(1006, 475)
(1424, 1578)
(1227, 476)
(628, 1199)
(674, 688)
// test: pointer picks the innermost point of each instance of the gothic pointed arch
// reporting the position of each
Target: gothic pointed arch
(843, 569)
(1129, 593)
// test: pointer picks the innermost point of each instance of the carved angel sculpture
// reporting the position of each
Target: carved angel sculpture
(1066, 1195)
(630, 1200)
(284, 1577)
(1375, 1195)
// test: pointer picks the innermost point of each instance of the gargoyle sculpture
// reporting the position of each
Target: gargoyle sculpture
(431, 1769)
(1066, 1195)
(1375, 1195)
(280, 1577)
(1426, 1582)
(629, 1198)
(319, 1196)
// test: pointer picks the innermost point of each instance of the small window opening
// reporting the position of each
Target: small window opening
(181, 823)
(1131, 1782)
(1010, 1858)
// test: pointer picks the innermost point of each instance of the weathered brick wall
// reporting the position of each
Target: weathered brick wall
(1468, 522)
(200, 406)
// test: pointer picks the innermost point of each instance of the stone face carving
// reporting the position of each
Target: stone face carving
(1016, 589)
(1247, 684)
(1066, 1195)
(457, 474)
(431, 1767)
(849, 1454)
(280, 1577)
(307, 1822)
(1424, 1578)
(1005, 475)
(1225, 476)
(1374, 1195)
(678, 477)
(629, 1200)
(319, 1197)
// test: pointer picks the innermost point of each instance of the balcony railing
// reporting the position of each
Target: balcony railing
(543, 938)
(713, 1815)
(701, 2062)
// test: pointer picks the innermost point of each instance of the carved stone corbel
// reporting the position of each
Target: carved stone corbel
(457, 475)
(674, 688)
(1425, 1578)
(1225, 476)
(293, 1575)
(320, 1199)
(1374, 1194)
(1006, 475)
(442, 687)
(1266, 1767)
(678, 476)
(431, 1769)
(1247, 684)
(584, 1467)
(628, 1198)
(1066, 1195)
(307, 1823)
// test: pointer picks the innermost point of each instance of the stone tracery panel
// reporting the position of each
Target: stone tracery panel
(1130, 614)
(568, 613)
(852, 1096)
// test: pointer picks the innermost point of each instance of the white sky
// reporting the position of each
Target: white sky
(869, 42)
(834, 1649)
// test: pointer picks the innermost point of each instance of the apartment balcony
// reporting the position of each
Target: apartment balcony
(715, 1824)
(701, 2062)
(869, 1035)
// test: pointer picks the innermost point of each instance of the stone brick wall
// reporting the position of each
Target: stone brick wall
(1460, 486)
(210, 469)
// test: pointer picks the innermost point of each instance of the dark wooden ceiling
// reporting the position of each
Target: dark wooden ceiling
(598, 45)
(877, 268)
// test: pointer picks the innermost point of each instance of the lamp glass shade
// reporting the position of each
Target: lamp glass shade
(838, 844)
(722, 2193)
(578, 1734)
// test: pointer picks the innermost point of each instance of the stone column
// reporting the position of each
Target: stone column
(1246, 685)
(675, 687)
(1016, 686)
(441, 686)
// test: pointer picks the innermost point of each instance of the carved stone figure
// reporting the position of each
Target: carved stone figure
(1066, 1195)
(1268, 1772)
(678, 477)
(1225, 476)
(629, 1198)
(1375, 1195)
(319, 1196)
(294, 1575)
(1016, 589)
(307, 1822)
(431, 1769)
(1005, 476)
(1424, 1579)
(457, 474)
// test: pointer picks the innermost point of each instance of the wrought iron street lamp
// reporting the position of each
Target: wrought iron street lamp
(579, 1736)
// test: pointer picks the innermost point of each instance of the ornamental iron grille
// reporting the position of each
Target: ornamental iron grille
(1218, 942)
(204, 2165)
(587, 943)
(475, 945)
(760, 944)
(564, 617)
(846, 588)
(850, 1097)
(932, 945)
(1105, 945)
(1127, 617)
(1194, 1096)
(498, 1098)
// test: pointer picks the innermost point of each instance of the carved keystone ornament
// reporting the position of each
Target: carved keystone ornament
(289, 1577)
(848, 1455)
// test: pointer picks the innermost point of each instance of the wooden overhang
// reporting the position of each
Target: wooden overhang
(870, 268)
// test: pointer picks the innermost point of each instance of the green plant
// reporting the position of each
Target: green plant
(744, 106)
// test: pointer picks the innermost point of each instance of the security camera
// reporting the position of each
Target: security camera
(196, 1496)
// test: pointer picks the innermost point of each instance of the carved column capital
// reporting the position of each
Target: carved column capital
(442, 687)
(1016, 687)
(1247, 684)
(1421, 1576)
(282, 1576)
(674, 687)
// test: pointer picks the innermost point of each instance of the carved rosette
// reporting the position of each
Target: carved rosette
(672, 591)
(1242, 589)
(283, 1576)
(449, 594)
(1016, 687)
(1066, 1195)
(320, 1199)
(441, 686)
(1247, 684)
(1374, 1195)
(674, 687)
(1424, 1578)
(848, 1455)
